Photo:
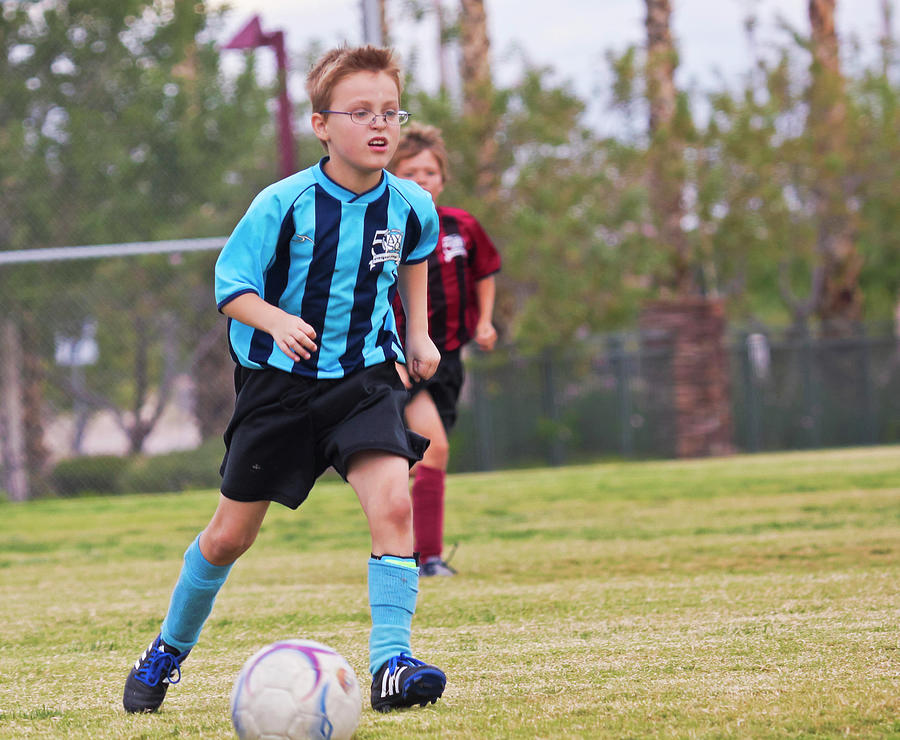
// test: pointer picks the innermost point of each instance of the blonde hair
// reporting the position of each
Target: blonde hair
(417, 138)
(338, 63)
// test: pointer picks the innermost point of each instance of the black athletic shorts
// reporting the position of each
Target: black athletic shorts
(287, 430)
(444, 387)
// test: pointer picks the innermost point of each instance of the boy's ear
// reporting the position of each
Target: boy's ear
(319, 127)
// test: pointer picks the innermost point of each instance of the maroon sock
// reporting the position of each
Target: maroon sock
(428, 511)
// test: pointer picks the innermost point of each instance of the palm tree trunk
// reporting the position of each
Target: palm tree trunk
(839, 303)
(443, 51)
(689, 326)
(665, 178)
(478, 92)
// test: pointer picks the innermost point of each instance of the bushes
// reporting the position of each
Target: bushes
(97, 474)
(109, 474)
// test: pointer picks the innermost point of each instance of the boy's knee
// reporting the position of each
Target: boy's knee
(222, 546)
(398, 507)
(438, 454)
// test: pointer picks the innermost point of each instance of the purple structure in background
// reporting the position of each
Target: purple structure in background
(252, 36)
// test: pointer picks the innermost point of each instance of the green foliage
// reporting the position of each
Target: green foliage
(88, 475)
(121, 124)
(551, 214)
(876, 119)
(573, 217)
(118, 124)
(174, 471)
(112, 474)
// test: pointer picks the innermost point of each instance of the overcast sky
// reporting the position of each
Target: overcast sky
(572, 36)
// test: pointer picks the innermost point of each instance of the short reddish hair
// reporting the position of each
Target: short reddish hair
(338, 63)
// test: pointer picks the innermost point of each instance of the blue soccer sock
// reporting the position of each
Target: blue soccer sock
(193, 598)
(393, 588)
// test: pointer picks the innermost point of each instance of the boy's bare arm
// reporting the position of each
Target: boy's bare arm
(485, 333)
(292, 334)
(422, 357)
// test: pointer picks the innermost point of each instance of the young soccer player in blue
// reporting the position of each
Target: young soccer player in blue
(306, 280)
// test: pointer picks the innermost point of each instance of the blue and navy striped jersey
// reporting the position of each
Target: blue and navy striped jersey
(329, 256)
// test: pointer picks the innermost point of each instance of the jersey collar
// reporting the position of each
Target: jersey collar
(341, 193)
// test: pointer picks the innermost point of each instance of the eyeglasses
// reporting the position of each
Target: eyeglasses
(366, 118)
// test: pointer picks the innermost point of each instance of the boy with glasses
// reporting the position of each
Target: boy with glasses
(306, 280)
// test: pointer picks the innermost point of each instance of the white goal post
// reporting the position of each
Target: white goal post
(126, 249)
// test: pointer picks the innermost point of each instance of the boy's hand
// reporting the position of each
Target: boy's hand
(485, 336)
(422, 357)
(293, 336)
(404, 376)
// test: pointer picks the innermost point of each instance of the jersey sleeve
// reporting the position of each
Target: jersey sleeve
(484, 259)
(243, 261)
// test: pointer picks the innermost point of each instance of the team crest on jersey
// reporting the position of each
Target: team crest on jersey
(386, 247)
(452, 245)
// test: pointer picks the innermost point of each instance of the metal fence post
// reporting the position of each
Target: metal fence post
(484, 438)
(871, 409)
(618, 358)
(556, 452)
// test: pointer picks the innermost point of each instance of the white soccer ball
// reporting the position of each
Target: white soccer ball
(295, 690)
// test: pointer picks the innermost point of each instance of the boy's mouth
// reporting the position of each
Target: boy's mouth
(377, 142)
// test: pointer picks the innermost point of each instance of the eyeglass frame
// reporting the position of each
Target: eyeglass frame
(375, 116)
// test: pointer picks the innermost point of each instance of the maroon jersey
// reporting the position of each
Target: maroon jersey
(464, 255)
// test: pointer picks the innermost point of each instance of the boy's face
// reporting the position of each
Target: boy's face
(358, 153)
(424, 169)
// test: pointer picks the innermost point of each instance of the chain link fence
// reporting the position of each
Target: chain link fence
(115, 377)
(613, 397)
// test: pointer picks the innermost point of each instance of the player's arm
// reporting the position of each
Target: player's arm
(292, 334)
(422, 357)
(485, 333)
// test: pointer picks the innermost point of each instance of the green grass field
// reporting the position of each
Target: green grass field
(751, 596)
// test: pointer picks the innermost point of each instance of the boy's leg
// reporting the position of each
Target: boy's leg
(429, 483)
(381, 483)
(207, 562)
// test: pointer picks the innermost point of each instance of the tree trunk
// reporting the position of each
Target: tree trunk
(839, 302)
(691, 326)
(692, 331)
(13, 414)
(478, 92)
(665, 173)
(887, 37)
(661, 63)
(382, 20)
(33, 368)
(443, 51)
(213, 373)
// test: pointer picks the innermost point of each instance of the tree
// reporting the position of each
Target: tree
(665, 167)
(692, 326)
(836, 290)
(117, 125)
(477, 88)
